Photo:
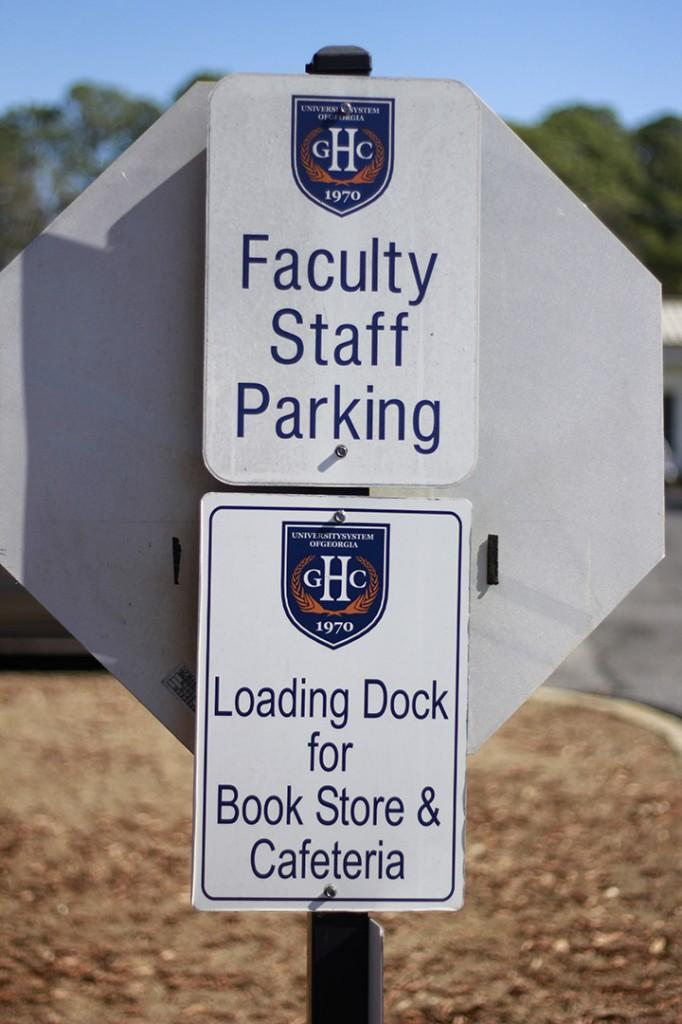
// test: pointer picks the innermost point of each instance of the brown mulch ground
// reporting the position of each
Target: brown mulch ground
(574, 864)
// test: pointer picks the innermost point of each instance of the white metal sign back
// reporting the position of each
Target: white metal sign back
(342, 277)
(98, 518)
(331, 737)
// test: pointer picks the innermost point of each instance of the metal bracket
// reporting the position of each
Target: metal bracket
(493, 560)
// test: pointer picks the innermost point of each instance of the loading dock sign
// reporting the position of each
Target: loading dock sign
(341, 282)
(331, 718)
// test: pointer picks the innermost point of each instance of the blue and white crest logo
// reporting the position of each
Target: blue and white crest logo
(342, 150)
(334, 579)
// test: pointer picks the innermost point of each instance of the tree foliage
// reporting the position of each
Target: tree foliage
(659, 146)
(631, 179)
(50, 153)
(590, 151)
(67, 145)
(21, 211)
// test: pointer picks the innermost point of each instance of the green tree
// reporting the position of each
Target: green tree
(659, 145)
(21, 213)
(632, 180)
(597, 158)
(74, 141)
(49, 154)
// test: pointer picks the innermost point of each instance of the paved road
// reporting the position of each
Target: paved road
(637, 651)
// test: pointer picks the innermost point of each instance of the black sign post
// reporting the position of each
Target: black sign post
(339, 943)
(338, 968)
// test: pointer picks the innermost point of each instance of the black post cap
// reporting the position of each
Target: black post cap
(340, 60)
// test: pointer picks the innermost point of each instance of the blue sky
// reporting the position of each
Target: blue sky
(521, 57)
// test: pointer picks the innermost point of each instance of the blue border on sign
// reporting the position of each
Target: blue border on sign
(315, 899)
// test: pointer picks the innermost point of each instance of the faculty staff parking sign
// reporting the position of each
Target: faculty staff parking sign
(331, 716)
(342, 276)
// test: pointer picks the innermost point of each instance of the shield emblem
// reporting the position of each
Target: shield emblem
(334, 579)
(342, 150)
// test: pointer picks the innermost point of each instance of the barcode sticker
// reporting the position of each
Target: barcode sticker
(183, 684)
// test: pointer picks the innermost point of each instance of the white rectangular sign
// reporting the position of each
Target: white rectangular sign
(342, 281)
(331, 716)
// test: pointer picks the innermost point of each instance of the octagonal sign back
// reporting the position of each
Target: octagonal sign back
(101, 371)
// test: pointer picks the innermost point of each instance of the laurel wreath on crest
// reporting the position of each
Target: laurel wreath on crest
(360, 605)
(366, 174)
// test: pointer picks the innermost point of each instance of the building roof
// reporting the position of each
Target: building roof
(672, 321)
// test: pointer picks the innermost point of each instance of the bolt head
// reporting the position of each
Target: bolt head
(345, 108)
(340, 451)
(340, 516)
(330, 891)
